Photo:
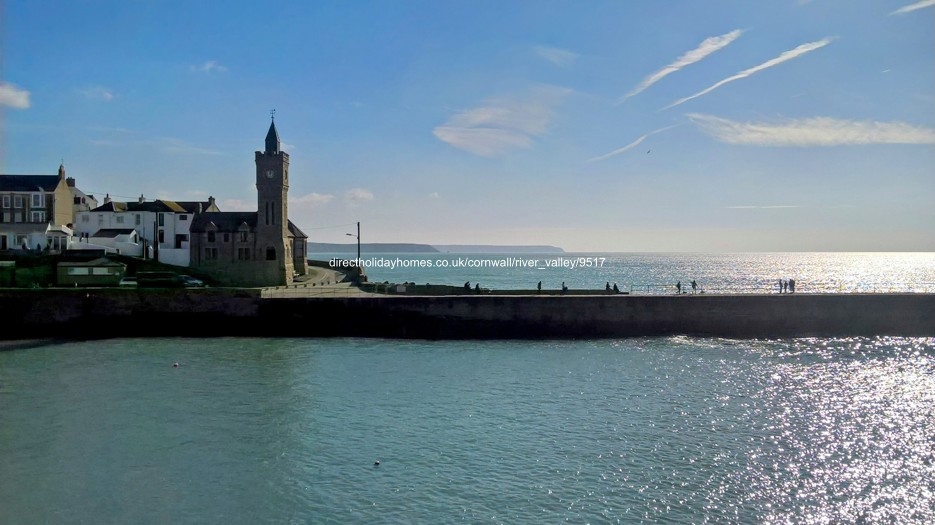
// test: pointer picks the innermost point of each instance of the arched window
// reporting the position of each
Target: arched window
(271, 254)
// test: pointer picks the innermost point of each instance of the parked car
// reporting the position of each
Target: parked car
(128, 281)
(191, 282)
(159, 280)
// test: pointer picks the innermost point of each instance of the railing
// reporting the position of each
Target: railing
(311, 290)
(773, 288)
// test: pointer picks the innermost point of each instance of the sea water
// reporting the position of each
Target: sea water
(643, 430)
(654, 430)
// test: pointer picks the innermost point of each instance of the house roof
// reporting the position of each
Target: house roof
(29, 182)
(151, 206)
(230, 221)
(110, 233)
(101, 261)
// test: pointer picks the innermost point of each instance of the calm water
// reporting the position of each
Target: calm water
(658, 273)
(667, 430)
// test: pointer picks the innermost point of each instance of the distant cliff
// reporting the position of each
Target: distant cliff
(386, 247)
(369, 247)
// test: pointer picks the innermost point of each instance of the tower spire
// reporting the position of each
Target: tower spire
(272, 136)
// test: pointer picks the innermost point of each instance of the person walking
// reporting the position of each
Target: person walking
(678, 288)
(694, 286)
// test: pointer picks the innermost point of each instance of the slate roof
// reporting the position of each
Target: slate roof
(29, 182)
(152, 206)
(230, 221)
(195, 206)
(110, 233)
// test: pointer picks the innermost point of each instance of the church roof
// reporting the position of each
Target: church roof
(29, 182)
(230, 221)
(225, 221)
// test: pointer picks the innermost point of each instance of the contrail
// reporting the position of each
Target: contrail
(785, 57)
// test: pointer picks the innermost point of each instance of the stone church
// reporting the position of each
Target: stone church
(261, 248)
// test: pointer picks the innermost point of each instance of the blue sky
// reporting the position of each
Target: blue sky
(594, 126)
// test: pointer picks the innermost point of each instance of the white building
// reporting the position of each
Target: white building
(162, 228)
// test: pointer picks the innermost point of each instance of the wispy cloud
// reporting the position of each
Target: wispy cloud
(237, 205)
(779, 207)
(357, 195)
(710, 45)
(13, 97)
(502, 124)
(816, 131)
(97, 93)
(434, 195)
(559, 57)
(631, 145)
(211, 66)
(313, 199)
(912, 7)
(785, 57)
(108, 129)
(178, 146)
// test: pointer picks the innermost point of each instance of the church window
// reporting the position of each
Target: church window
(243, 236)
(211, 237)
(243, 254)
(271, 254)
(211, 254)
(227, 237)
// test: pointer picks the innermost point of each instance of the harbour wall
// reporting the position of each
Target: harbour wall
(101, 313)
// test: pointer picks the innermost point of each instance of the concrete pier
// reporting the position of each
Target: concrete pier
(101, 313)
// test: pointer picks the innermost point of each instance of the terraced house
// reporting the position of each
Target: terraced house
(37, 212)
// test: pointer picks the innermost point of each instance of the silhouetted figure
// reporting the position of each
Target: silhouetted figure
(780, 285)
(564, 288)
(539, 287)
(694, 286)
(477, 287)
(785, 286)
(791, 285)
(607, 287)
(678, 288)
(467, 286)
(616, 290)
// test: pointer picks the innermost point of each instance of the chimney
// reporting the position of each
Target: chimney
(210, 201)
(107, 198)
(70, 181)
(142, 198)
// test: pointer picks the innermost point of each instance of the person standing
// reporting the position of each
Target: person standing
(791, 285)
(678, 288)
(539, 287)
(694, 286)
(780, 286)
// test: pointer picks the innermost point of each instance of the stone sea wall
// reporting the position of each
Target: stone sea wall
(234, 312)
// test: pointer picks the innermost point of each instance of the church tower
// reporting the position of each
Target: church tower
(272, 221)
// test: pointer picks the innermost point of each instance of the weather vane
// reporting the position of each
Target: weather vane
(272, 114)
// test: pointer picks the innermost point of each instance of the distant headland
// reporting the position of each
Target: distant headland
(382, 247)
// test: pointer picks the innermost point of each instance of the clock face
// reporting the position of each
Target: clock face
(270, 174)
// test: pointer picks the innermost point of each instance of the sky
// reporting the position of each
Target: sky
(716, 126)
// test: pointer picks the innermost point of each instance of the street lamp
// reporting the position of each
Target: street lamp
(358, 241)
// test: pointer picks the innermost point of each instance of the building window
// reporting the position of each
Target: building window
(38, 216)
(21, 241)
(162, 236)
(100, 219)
(6, 201)
(120, 219)
(211, 254)
(183, 217)
(137, 218)
(37, 200)
(77, 200)
(17, 201)
(211, 237)
(85, 218)
(243, 236)
(271, 254)
(227, 237)
(162, 219)
(243, 254)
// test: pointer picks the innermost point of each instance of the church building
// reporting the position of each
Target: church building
(261, 248)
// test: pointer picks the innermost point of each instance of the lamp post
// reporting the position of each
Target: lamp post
(359, 269)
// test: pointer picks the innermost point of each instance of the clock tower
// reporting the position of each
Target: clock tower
(272, 221)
